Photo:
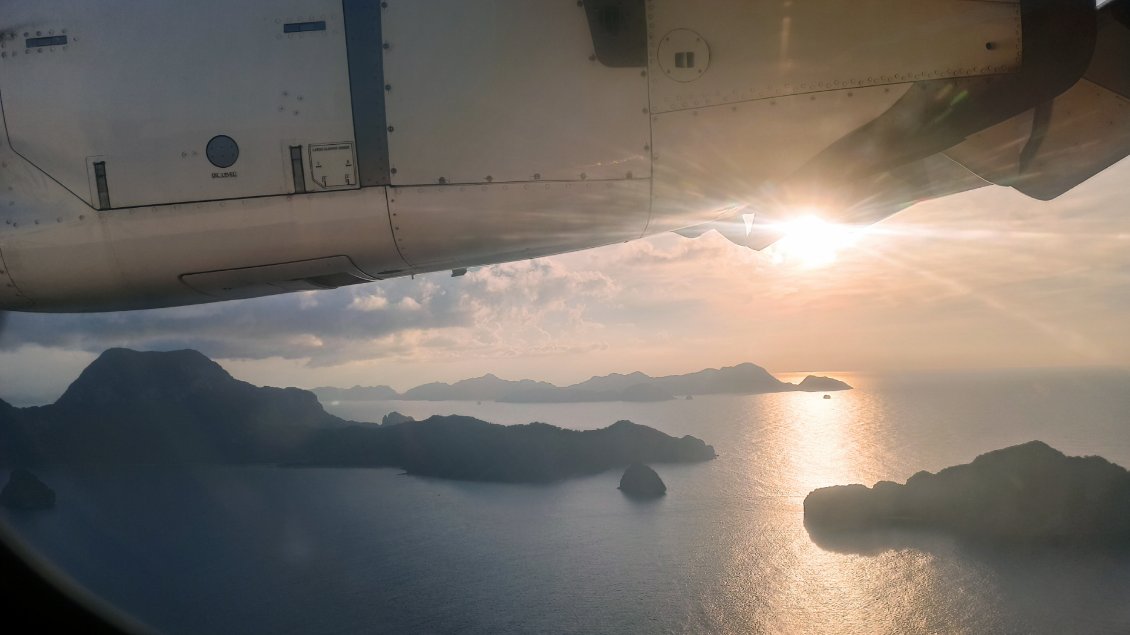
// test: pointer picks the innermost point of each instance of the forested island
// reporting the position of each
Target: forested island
(179, 407)
(1025, 493)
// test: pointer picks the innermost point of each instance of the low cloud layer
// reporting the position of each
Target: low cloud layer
(524, 304)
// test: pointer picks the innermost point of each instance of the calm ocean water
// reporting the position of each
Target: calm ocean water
(320, 551)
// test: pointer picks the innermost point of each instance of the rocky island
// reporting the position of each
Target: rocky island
(640, 481)
(180, 407)
(469, 449)
(743, 379)
(1028, 493)
(816, 383)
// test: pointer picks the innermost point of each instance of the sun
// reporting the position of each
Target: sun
(812, 242)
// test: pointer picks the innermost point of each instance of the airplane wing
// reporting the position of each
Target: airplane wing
(179, 153)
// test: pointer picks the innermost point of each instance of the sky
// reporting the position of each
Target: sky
(980, 280)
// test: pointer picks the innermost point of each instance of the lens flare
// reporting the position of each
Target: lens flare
(812, 242)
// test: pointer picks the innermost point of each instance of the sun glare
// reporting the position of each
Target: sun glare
(812, 242)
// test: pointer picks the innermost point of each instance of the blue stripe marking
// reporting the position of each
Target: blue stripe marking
(304, 27)
(38, 42)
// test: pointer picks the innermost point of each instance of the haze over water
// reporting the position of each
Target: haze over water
(352, 550)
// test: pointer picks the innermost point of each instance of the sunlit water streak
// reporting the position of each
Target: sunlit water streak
(328, 551)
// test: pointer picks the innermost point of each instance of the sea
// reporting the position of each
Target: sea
(327, 551)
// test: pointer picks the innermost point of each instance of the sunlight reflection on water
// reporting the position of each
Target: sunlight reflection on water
(321, 551)
(759, 570)
(770, 575)
(810, 443)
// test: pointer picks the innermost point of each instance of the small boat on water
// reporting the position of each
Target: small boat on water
(827, 396)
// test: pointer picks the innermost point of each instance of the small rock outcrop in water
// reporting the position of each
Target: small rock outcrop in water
(25, 491)
(640, 481)
(1025, 492)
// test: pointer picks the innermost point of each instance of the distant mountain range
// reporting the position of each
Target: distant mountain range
(743, 379)
(180, 407)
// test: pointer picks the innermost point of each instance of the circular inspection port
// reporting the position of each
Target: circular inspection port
(222, 151)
